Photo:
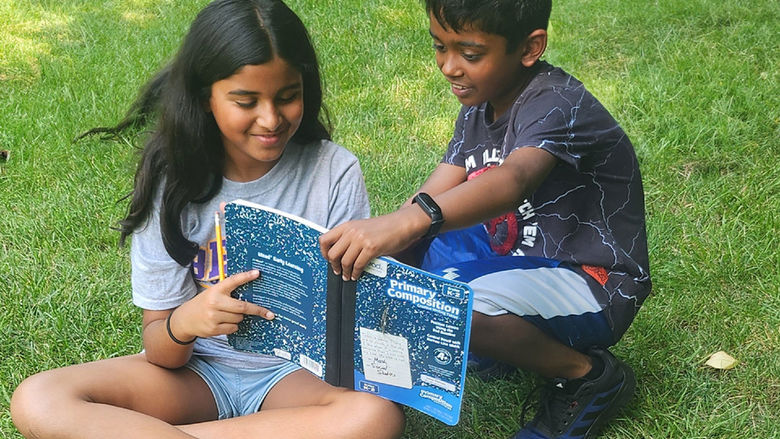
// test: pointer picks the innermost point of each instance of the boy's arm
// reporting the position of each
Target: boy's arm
(350, 246)
(442, 179)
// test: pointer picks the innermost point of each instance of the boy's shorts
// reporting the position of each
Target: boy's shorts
(238, 392)
(557, 298)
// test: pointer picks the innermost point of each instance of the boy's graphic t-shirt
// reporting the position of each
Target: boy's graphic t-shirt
(589, 211)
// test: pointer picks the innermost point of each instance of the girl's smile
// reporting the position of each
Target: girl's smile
(258, 109)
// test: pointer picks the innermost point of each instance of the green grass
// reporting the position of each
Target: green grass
(695, 84)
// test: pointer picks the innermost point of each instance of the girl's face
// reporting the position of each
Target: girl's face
(258, 109)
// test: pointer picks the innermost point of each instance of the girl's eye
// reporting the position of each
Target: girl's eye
(246, 104)
(289, 98)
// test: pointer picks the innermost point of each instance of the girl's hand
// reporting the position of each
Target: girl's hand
(214, 312)
(349, 247)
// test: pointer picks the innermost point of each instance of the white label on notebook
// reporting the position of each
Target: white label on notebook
(385, 358)
(377, 267)
(311, 365)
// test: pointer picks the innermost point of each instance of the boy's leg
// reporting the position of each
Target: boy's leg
(303, 406)
(120, 397)
(584, 390)
(540, 315)
(517, 342)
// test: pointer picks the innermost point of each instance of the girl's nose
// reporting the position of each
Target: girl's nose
(268, 117)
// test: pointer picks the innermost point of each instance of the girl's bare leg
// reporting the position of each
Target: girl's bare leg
(302, 406)
(124, 397)
(128, 397)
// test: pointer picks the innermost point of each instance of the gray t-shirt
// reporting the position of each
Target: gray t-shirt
(321, 182)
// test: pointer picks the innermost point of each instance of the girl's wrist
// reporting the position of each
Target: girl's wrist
(170, 331)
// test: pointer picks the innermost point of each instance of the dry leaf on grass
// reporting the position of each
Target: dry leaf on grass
(4, 154)
(721, 360)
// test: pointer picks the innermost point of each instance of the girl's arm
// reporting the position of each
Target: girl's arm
(212, 312)
(350, 246)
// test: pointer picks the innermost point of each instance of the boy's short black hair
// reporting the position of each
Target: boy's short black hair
(511, 19)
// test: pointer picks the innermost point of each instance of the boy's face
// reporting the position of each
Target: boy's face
(478, 67)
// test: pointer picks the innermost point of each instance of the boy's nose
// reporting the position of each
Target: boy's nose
(448, 66)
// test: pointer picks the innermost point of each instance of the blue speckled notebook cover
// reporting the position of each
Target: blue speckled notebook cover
(411, 328)
(400, 305)
(292, 283)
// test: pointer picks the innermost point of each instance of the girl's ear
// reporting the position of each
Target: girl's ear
(534, 46)
(205, 99)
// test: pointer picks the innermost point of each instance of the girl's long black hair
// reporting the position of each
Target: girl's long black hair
(184, 151)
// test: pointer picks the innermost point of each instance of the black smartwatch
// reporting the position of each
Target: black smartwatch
(433, 210)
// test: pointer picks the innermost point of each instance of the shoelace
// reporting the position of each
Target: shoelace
(553, 400)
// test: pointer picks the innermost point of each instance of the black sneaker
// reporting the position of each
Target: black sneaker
(582, 414)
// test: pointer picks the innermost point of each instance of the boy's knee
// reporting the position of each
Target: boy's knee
(502, 330)
(483, 325)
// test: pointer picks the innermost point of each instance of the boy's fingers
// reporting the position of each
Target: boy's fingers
(327, 240)
(339, 257)
(360, 264)
(348, 260)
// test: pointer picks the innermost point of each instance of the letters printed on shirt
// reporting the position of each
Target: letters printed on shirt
(506, 230)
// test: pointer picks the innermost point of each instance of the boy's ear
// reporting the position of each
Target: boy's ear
(534, 46)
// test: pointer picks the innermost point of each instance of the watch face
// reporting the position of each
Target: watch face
(428, 205)
(433, 210)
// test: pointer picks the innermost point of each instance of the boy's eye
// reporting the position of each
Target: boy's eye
(471, 56)
(438, 47)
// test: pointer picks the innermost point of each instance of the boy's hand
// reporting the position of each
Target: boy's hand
(214, 311)
(349, 247)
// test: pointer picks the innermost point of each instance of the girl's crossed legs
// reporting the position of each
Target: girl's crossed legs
(130, 397)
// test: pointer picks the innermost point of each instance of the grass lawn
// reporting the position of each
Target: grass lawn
(694, 84)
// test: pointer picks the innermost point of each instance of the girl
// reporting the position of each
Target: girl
(238, 118)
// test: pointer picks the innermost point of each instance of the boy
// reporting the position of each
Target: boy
(541, 199)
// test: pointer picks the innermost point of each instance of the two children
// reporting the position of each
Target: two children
(239, 117)
(537, 204)
(540, 198)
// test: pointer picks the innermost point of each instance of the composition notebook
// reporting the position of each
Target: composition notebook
(397, 332)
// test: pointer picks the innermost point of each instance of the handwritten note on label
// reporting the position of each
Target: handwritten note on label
(385, 358)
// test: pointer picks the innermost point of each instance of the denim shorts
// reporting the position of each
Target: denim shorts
(238, 392)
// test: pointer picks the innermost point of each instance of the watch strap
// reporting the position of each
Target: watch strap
(433, 211)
